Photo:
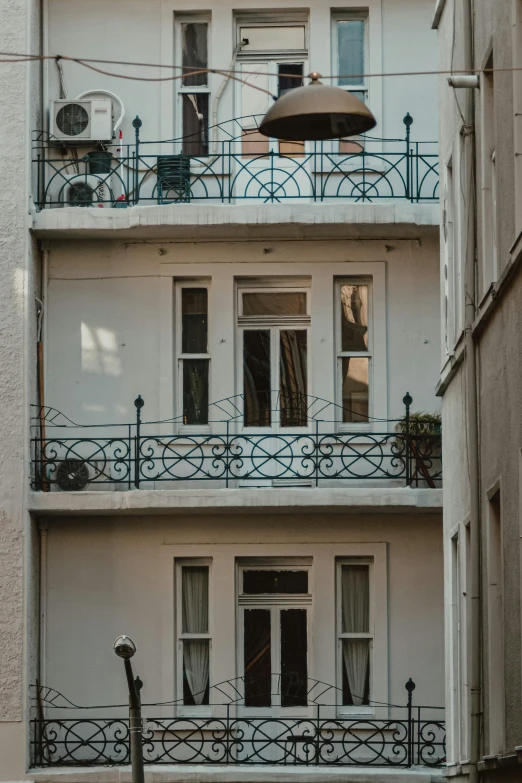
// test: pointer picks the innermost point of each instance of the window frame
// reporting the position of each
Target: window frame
(275, 325)
(188, 710)
(179, 285)
(274, 602)
(347, 709)
(340, 354)
(180, 90)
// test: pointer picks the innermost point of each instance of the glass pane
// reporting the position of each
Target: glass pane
(253, 143)
(195, 391)
(256, 378)
(194, 591)
(195, 124)
(257, 582)
(356, 671)
(355, 594)
(292, 149)
(350, 47)
(194, 320)
(354, 317)
(272, 38)
(294, 654)
(194, 52)
(196, 659)
(289, 76)
(355, 385)
(257, 653)
(293, 378)
(275, 303)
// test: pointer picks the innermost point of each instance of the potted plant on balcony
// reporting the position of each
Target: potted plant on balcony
(420, 443)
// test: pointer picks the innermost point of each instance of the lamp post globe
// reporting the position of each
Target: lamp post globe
(124, 647)
(317, 112)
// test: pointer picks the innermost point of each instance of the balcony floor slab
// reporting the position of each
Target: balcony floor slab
(238, 774)
(401, 500)
(404, 220)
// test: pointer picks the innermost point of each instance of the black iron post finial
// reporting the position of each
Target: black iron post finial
(407, 400)
(408, 121)
(410, 687)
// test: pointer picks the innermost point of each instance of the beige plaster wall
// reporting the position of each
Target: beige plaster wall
(111, 576)
(125, 289)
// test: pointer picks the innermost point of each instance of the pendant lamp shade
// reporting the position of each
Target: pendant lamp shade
(317, 111)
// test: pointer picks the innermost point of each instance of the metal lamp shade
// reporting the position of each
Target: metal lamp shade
(317, 112)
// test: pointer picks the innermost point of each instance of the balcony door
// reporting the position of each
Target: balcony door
(274, 605)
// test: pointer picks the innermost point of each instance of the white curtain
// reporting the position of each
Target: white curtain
(356, 619)
(195, 620)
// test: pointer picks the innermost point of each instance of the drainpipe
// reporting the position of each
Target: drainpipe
(471, 402)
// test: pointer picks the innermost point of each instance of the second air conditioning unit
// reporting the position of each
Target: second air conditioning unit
(87, 190)
(81, 122)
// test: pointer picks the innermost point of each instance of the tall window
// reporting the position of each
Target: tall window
(273, 603)
(272, 56)
(496, 685)
(274, 324)
(194, 92)
(194, 639)
(193, 356)
(355, 634)
(353, 349)
(349, 35)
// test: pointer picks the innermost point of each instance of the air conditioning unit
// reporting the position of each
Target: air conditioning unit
(81, 122)
(87, 190)
(77, 475)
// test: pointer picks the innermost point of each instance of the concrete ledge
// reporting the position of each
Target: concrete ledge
(236, 774)
(239, 501)
(400, 219)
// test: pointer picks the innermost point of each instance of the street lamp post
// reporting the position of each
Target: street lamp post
(125, 648)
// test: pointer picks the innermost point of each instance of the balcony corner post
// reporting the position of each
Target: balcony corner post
(136, 124)
(410, 687)
(407, 400)
(408, 121)
(139, 402)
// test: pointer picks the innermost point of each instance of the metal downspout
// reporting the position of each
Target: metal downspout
(471, 404)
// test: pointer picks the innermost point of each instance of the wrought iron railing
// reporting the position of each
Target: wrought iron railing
(236, 167)
(227, 732)
(73, 457)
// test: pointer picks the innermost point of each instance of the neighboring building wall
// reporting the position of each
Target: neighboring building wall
(498, 303)
(19, 89)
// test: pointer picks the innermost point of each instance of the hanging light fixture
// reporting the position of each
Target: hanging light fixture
(317, 111)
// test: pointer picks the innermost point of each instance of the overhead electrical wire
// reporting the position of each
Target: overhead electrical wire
(15, 57)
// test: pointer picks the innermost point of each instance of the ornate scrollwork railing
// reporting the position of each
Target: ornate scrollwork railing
(71, 457)
(228, 733)
(237, 167)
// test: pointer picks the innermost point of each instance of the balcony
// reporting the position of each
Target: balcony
(226, 731)
(241, 167)
(316, 448)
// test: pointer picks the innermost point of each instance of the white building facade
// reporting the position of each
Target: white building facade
(233, 450)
